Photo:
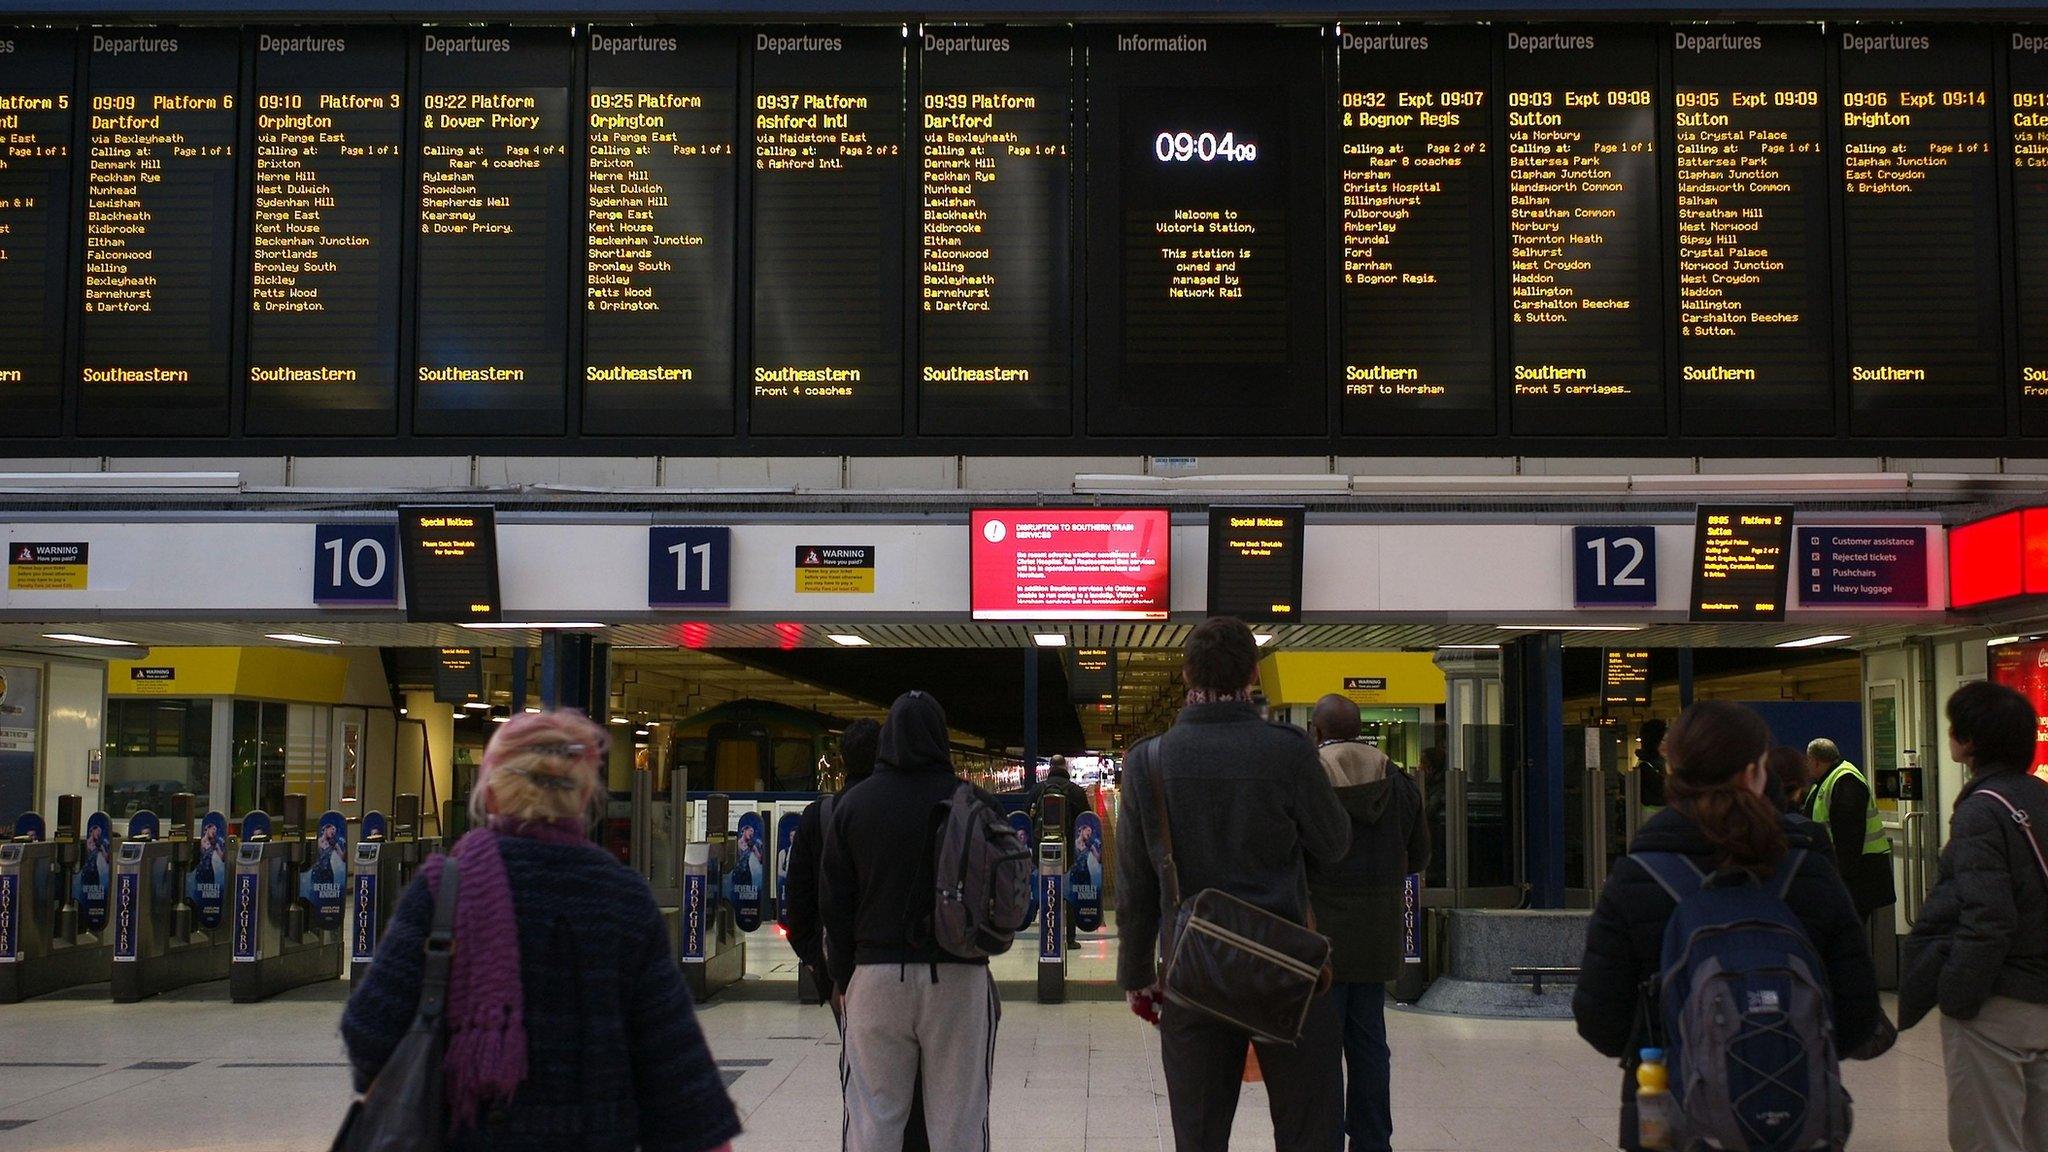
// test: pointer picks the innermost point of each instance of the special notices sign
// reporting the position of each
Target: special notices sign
(1071, 564)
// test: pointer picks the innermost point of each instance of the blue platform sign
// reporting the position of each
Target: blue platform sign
(1863, 567)
(95, 879)
(746, 885)
(362, 935)
(689, 567)
(322, 884)
(355, 564)
(696, 887)
(785, 835)
(1614, 567)
(127, 901)
(206, 886)
(10, 918)
(1084, 879)
(1021, 821)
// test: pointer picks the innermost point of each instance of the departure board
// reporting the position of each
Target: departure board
(36, 118)
(2027, 152)
(1625, 677)
(327, 228)
(451, 563)
(1206, 263)
(661, 165)
(828, 172)
(1920, 232)
(1741, 559)
(1585, 267)
(1415, 171)
(493, 231)
(1748, 132)
(157, 331)
(994, 322)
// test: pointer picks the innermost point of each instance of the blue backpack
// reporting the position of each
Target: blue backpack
(1748, 1023)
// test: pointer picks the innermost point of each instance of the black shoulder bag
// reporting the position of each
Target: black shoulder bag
(403, 1110)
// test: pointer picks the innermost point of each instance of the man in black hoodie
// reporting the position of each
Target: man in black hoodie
(906, 1001)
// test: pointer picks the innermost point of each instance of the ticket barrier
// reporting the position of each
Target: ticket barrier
(168, 927)
(713, 950)
(46, 942)
(380, 867)
(280, 941)
(1052, 904)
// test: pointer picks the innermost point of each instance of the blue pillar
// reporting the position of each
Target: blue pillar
(1535, 671)
(573, 672)
(1030, 719)
(519, 657)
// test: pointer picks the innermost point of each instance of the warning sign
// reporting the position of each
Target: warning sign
(835, 568)
(46, 567)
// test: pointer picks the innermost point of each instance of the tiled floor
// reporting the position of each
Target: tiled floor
(193, 1072)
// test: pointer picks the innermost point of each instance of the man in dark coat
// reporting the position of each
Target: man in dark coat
(1358, 903)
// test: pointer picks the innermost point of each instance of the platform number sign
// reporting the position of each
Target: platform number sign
(355, 564)
(689, 567)
(1614, 567)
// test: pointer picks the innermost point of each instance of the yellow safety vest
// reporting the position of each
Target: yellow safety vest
(1874, 839)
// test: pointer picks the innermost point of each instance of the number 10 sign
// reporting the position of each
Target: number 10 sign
(355, 564)
(689, 567)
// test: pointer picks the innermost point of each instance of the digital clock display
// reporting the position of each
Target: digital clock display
(1206, 147)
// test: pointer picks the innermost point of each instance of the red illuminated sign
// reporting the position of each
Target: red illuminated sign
(1998, 558)
(1071, 564)
(2024, 669)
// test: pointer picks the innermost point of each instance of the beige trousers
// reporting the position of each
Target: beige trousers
(1998, 1078)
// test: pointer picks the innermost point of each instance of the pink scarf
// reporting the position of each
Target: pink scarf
(485, 1061)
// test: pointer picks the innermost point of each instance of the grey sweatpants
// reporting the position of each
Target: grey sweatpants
(1998, 1077)
(900, 1017)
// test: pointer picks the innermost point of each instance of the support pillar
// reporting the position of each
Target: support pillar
(1030, 719)
(575, 671)
(1535, 690)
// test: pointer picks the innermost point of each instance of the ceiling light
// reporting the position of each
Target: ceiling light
(847, 639)
(620, 720)
(531, 710)
(1816, 641)
(1471, 647)
(2002, 641)
(639, 731)
(533, 625)
(299, 638)
(1570, 627)
(1049, 639)
(1263, 638)
(476, 706)
(654, 723)
(81, 638)
(501, 718)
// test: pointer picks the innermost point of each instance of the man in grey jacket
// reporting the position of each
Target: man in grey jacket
(1248, 805)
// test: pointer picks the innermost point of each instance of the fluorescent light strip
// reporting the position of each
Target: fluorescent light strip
(81, 638)
(2001, 641)
(1569, 627)
(536, 625)
(299, 638)
(847, 639)
(1816, 641)
(1049, 639)
(1471, 647)
(476, 706)
(1263, 638)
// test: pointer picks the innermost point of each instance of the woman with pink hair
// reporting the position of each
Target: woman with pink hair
(568, 1022)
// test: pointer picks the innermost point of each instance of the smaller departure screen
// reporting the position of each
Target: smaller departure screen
(458, 675)
(1741, 561)
(36, 119)
(1071, 564)
(1255, 563)
(1625, 677)
(451, 564)
(2027, 119)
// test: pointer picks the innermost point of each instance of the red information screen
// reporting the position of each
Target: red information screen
(1071, 564)
(2024, 669)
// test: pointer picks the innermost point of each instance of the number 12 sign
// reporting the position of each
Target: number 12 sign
(1614, 567)
(689, 567)
(355, 564)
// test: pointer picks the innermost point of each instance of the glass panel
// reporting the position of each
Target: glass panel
(155, 749)
(259, 756)
(1578, 831)
(1490, 783)
(306, 763)
(796, 769)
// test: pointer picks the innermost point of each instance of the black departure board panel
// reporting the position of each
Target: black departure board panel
(828, 172)
(1417, 210)
(36, 120)
(493, 230)
(2027, 156)
(157, 331)
(1585, 263)
(458, 675)
(993, 268)
(1920, 232)
(451, 563)
(1206, 261)
(1625, 677)
(326, 231)
(660, 168)
(1255, 562)
(1748, 138)
(1741, 557)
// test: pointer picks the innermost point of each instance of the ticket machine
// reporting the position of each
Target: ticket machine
(379, 868)
(169, 903)
(284, 935)
(47, 940)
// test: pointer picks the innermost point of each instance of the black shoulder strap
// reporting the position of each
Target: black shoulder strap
(440, 946)
(1169, 868)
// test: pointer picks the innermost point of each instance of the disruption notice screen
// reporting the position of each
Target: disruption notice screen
(157, 332)
(451, 563)
(994, 173)
(494, 230)
(327, 223)
(660, 169)
(1740, 562)
(827, 125)
(1920, 230)
(1418, 211)
(1749, 145)
(35, 224)
(1206, 253)
(1071, 564)
(2027, 115)
(1255, 559)
(1585, 270)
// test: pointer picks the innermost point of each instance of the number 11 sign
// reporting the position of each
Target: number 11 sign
(689, 567)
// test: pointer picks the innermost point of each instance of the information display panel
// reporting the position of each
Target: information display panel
(2027, 152)
(157, 334)
(1415, 171)
(1255, 561)
(36, 118)
(1585, 255)
(327, 230)
(994, 268)
(1748, 132)
(1625, 677)
(1206, 259)
(1920, 232)
(451, 563)
(660, 168)
(1071, 564)
(1740, 562)
(828, 172)
(493, 231)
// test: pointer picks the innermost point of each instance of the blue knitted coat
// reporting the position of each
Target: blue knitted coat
(615, 1056)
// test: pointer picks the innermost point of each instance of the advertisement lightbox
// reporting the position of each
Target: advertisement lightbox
(2023, 667)
(1071, 563)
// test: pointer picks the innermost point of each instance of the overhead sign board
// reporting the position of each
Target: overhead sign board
(355, 564)
(1255, 559)
(1071, 563)
(451, 564)
(835, 568)
(689, 567)
(1740, 562)
(1863, 567)
(1625, 677)
(1614, 567)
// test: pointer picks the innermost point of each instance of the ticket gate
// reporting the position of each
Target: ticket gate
(713, 950)
(281, 940)
(379, 868)
(169, 903)
(47, 941)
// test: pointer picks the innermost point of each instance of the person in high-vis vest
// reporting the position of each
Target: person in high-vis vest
(1841, 800)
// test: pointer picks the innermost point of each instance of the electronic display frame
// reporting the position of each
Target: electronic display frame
(458, 582)
(986, 532)
(1233, 576)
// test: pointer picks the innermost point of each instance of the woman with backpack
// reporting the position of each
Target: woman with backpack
(1980, 949)
(1722, 846)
